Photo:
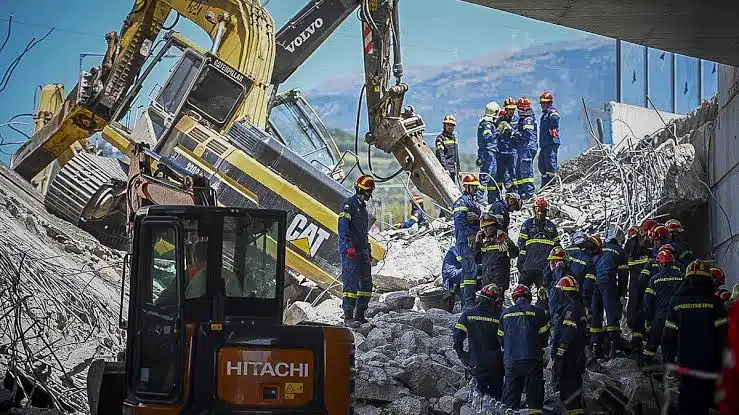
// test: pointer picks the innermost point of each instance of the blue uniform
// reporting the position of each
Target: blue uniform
(536, 240)
(556, 298)
(568, 344)
(526, 140)
(611, 270)
(486, 153)
(548, 144)
(417, 217)
(524, 331)
(451, 269)
(582, 265)
(499, 209)
(480, 324)
(496, 262)
(657, 296)
(683, 253)
(638, 261)
(356, 273)
(446, 153)
(464, 233)
(506, 156)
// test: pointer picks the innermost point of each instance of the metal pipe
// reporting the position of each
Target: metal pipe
(700, 81)
(618, 71)
(646, 75)
(219, 36)
(674, 84)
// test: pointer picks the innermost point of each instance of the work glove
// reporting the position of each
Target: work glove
(479, 237)
(503, 127)
(351, 252)
(542, 293)
(397, 226)
(478, 162)
(472, 217)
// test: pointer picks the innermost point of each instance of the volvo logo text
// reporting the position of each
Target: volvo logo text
(304, 35)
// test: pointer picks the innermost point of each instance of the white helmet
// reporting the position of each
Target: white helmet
(492, 109)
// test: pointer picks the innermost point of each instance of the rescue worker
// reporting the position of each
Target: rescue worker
(485, 356)
(568, 345)
(526, 146)
(694, 337)
(525, 329)
(505, 147)
(684, 254)
(486, 153)
(548, 138)
(580, 258)
(558, 267)
(451, 275)
(447, 149)
(638, 260)
(657, 296)
(354, 249)
(466, 216)
(536, 239)
(417, 216)
(611, 270)
(718, 276)
(502, 209)
(728, 382)
(495, 249)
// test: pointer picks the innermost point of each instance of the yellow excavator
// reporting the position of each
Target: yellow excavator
(211, 118)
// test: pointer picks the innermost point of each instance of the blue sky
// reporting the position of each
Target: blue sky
(448, 32)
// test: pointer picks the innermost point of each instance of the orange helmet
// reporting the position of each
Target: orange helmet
(598, 242)
(723, 294)
(491, 292)
(523, 103)
(470, 180)
(568, 283)
(698, 268)
(665, 257)
(557, 253)
(365, 182)
(520, 290)
(718, 275)
(546, 97)
(509, 103)
(659, 232)
(674, 225)
(647, 225)
(417, 198)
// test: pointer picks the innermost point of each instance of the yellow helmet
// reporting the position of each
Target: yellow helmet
(450, 119)
(492, 109)
(698, 268)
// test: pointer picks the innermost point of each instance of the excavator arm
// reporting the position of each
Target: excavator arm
(392, 128)
(236, 27)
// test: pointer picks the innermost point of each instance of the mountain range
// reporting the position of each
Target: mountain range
(570, 70)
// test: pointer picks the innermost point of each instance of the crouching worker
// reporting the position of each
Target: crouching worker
(495, 250)
(451, 277)
(485, 356)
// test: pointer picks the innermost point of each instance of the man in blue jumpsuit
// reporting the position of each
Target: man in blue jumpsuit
(684, 254)
(537, 238)
(694, 337)
(451, 277)
(486, 152)
(557, 269)
(506, 150)
(447, 149)
(524, 331)
(466, 215)
(611, 274)
(580, 258)
(354, 248)
(485, 356)
(502, 209)
(548, 139)
(568, 345)
(660, 289)
(526, 144)
(417, 216)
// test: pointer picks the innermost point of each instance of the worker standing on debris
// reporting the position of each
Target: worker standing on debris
(485, 356)
(417, 216)
(580, 261)
(536, 239)
(568, 345)
(694, 337)
(558, 268)
(524, 331)
(505, 146)
(447, 150)
(495, 249)
(502, 209)
(356, 275)
(486, 152)
(548, 138)
(611, 270)
(526, 146)
(684, 254)
(466, 225)
(638, 260)
(657, 296)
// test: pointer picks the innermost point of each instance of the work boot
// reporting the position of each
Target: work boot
(359, 317)
(612, 350)
(597, 350)
(348, 318)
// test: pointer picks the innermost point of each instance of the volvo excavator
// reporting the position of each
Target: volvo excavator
(211, 118)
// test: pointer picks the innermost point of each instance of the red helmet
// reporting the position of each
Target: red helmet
(665, 257)
(698, 268)
(568, 283)
(546, 97)
(718, 275)
(523, 103)
(659, 232)
(723, 294)
(520, 290)
(365, 182)
(674, 225)
(557, 253)
(417, 198)
(470, 180)
(647, 225)
(491, 292)
(509, 102)
(632, 232)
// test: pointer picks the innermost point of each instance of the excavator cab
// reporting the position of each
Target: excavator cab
(204, 332)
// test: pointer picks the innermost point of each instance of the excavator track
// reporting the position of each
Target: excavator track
(74, 187)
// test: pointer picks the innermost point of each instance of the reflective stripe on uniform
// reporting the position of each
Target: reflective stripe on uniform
(364, 294)
(590, 276)
(668, 279)
(570, 323)
(460, 326)
(460, 209)
(671, 325)
(539, 241)
(578, 261)
(612, 328)
(345, 215)
(649, 291)
(543, 329)
(350, 294)
(720, 322)
(481, 318)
